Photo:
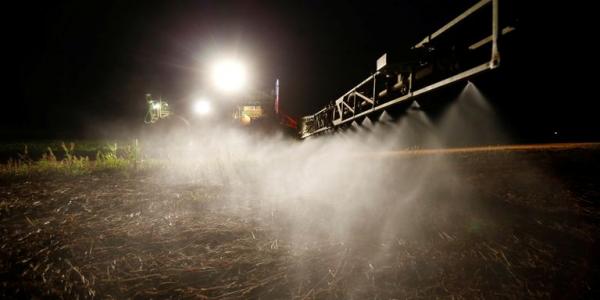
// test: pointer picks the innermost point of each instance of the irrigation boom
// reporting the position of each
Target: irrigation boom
(462, 48)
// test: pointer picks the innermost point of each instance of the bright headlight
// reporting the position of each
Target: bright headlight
(229, 75)
(201, 107)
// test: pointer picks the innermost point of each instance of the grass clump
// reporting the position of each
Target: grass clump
(109, 158)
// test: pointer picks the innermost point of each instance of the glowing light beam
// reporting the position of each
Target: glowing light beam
(229, 75)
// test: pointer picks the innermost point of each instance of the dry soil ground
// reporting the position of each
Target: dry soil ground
(526, 232)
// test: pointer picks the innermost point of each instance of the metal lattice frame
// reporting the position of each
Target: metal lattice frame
(362, 100)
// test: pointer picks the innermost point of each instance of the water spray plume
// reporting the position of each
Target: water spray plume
(470, 120)
(385, 117)
(367, 123)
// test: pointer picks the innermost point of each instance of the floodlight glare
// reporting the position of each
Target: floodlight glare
(229, 75)
(201, 107)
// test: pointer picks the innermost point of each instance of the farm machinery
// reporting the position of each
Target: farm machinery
(158, 109)
(464, 47)
(254, 109)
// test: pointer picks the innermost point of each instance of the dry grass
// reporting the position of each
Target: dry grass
(109, 158)
(116, 236)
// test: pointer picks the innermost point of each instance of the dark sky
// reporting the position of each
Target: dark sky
(73, 65)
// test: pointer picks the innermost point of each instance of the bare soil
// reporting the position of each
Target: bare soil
(528, 233)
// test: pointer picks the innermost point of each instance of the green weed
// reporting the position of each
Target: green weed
(108, 158)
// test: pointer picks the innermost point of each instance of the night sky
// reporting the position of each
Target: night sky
(77, 65)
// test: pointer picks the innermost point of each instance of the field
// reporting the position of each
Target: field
(37, 148)
(509, 223)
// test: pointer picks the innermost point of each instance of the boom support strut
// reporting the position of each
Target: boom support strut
(435, 68)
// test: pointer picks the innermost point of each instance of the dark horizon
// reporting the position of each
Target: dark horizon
(78, 67)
